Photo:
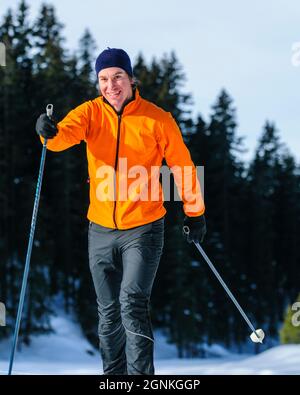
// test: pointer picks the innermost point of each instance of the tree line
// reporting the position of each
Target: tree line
(252, 208)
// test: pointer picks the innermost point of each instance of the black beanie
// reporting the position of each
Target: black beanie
(113, 57)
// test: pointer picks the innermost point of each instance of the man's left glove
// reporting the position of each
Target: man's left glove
(197, 227)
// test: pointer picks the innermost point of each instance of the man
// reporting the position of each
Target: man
(125, 136)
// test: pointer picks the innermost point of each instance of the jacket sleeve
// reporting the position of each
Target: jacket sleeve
(179, 160)
(72, 129)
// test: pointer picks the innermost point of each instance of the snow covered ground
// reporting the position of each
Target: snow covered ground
(66, 352)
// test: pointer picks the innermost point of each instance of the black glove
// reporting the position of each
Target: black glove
(197, 227)
(46, 127)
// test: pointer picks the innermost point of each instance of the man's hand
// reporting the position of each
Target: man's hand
(197, 228)
(46, 127)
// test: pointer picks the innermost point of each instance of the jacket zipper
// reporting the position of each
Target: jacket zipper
(116, 165)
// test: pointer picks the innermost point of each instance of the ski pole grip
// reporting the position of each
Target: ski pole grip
(186, 229)
(49, 110)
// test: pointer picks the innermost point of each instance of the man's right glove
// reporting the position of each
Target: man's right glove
(46, 127)
(197, 228)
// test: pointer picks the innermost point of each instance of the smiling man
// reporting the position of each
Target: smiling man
(115, 86)
(115, 83)
(126, 236)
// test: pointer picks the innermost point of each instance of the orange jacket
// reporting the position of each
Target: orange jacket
(122, 149)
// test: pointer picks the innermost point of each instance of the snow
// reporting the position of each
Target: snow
(67, 352)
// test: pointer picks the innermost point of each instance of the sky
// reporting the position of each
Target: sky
(252, 49)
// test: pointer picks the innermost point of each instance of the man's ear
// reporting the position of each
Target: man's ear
(133, 82)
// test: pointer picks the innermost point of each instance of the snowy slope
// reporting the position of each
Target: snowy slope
(67, 352)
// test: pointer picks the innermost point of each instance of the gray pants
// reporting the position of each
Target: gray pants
(123, 265)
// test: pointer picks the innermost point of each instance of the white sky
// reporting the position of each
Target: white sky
(245, 47)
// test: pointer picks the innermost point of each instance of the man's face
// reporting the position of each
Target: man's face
(115, 86)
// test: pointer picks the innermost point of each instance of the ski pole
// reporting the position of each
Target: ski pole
(49, 110)
(257, 335)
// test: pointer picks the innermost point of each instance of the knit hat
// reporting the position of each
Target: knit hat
(113, 57)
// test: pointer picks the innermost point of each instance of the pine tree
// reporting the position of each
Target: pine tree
(262, 220)
(215, 146)
(19, 176)
(286, 225)
(6, 191)
(162, 83)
